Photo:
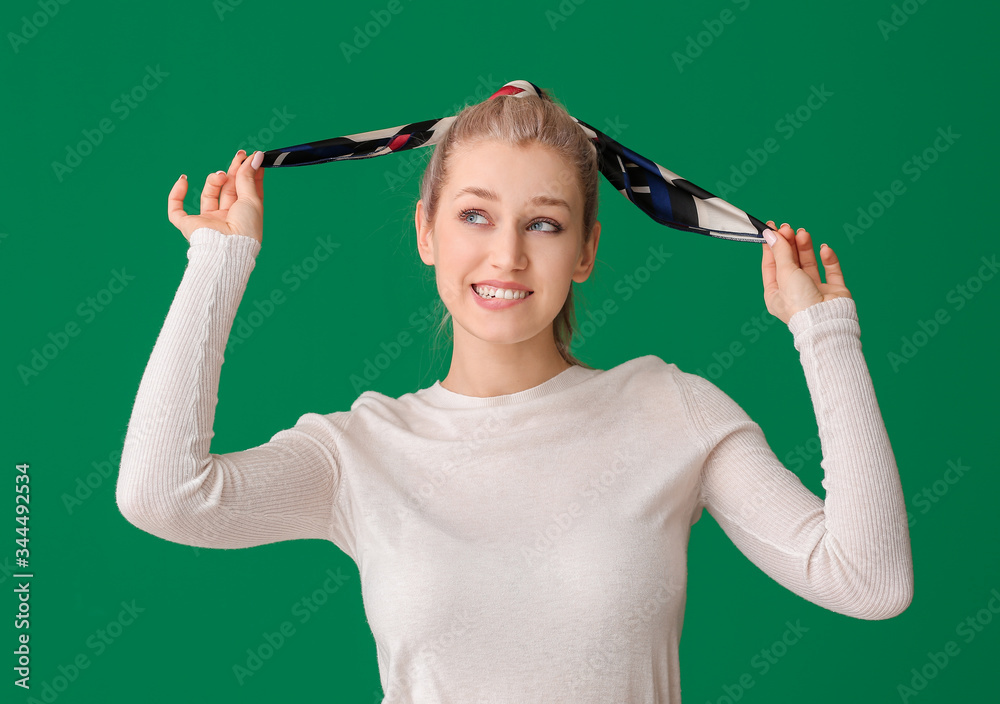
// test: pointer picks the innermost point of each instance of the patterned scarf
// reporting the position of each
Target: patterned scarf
(660, 193)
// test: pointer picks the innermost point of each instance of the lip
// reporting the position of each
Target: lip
(496, 303)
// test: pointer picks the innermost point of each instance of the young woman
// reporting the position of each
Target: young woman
(521, 526)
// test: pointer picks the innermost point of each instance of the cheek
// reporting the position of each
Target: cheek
(451, 273)
(449, 290)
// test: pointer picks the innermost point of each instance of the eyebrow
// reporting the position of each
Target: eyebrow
(487, 194)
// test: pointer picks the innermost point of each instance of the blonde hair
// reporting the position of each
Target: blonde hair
(518, 121)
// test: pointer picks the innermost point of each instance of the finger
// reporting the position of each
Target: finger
(245, 182)
(831, 267)
(175, 201)
(258, 180)
(789, 234)
(210, 192)
(228, 196)
(807, 256)
(784, 257)
(768, 272)
(783, 231)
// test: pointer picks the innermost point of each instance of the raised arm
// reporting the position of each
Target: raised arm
(849, 553)
(169, 483)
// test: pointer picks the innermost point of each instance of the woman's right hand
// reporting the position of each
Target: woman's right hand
(238, 210)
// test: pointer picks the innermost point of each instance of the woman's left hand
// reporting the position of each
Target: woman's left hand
(791, 276)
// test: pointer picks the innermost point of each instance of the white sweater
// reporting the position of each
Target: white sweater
(530, 547)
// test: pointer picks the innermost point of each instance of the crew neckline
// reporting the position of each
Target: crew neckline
(437, 395)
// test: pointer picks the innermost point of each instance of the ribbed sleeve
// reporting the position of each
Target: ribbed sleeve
(849, 553)
(169, 484)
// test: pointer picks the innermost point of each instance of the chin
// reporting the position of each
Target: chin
(510, 333)
(506, 335)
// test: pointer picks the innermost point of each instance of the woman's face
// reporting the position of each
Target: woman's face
(510, 214)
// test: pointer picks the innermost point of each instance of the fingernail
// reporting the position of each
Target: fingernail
(184, 176)
(223, 173)
(784, 224)
(770, 237)
(257, 158)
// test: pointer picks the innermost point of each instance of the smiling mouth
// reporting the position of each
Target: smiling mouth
(492, 297)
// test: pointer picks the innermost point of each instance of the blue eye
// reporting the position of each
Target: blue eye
(547, 222)
(466, 213)
(464, 217)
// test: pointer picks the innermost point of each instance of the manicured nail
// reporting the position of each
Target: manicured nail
(184, 176)
(257, 158)
(770, 237)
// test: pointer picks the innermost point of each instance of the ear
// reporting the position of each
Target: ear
(588, 255)
(425, 242)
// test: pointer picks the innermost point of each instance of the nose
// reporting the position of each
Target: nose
(507, 250)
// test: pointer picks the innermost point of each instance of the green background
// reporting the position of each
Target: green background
(231, 68)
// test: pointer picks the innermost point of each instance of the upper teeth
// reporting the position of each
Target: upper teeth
(494, 292)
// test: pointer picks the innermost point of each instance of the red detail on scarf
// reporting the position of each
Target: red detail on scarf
(507, 90)
(398, 141)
